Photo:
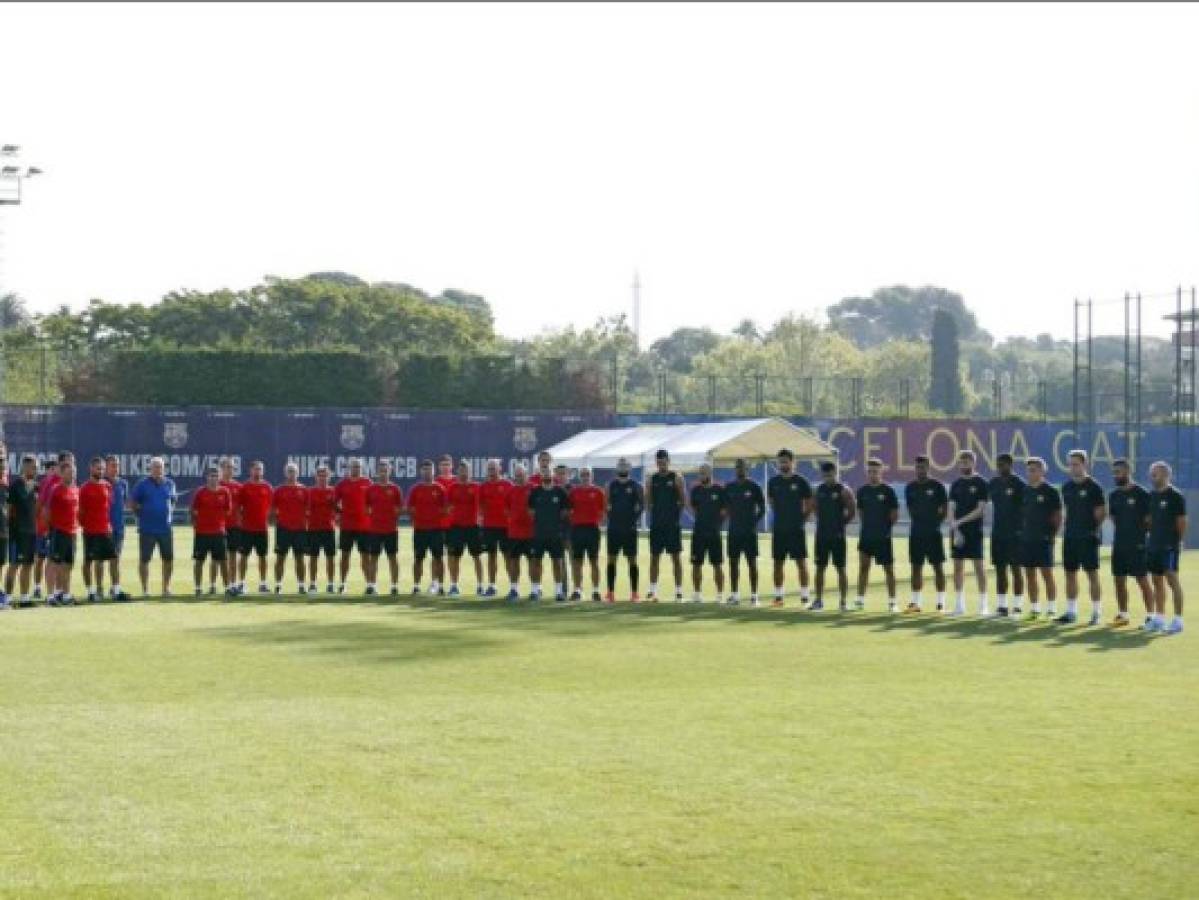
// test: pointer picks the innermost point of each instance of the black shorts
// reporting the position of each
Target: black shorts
(926, 548)
(431, 542)
(743, 543)
(349, 540)
(1036, 554)
(540, 546)
(972, 544)
(518, 547)
(254, 542)
(41, 545)
(382, 543)
(665, 539)
(290, 540)
(463, 538)
(1130, 561)
(830, 549)
(622, 540)
(877, 548)
(98, 547)
(790, 544)
(1080, 553)
(492, 539)
(1005, 550)
(584, 542)
(22, 548)
(146, 543)
(318, 542)
(1162, 560)
(62, 547)
(706, 545)
(233, 540)
(209, 545)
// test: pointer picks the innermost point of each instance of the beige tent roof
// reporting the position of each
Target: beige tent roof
(719, 443)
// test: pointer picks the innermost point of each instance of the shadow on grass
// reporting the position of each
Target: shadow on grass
(587, 619)
(370, 641)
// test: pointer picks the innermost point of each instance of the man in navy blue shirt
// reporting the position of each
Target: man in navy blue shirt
(1086, 508)
(1167, 525)
(153, 500)
(120, 499)
(968, 496)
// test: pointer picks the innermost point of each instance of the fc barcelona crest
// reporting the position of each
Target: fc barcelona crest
(174, 434)
(353, 436)
(524, 439)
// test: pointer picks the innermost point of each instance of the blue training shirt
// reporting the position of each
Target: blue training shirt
(116, 512)
(156, 501)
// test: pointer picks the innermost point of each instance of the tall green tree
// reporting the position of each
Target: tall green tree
(945, 389)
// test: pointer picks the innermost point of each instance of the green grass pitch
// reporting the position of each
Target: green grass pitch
(319, 747)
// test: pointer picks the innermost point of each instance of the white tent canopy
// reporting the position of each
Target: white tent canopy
(689, 446)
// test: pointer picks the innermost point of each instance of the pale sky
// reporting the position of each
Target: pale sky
(749, 160)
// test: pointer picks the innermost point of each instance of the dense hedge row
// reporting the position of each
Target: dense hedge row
(170, 377)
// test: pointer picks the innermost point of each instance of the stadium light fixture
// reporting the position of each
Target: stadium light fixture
(10, 171)
(9, 150)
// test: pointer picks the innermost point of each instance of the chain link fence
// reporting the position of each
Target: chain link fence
(47, 375)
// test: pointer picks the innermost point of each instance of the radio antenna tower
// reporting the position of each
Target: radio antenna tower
(637, 308)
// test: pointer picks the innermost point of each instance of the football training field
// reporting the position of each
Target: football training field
(331, 746)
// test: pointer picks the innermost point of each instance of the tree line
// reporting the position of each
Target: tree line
(331, 338)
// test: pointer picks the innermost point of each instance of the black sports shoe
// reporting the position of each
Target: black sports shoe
(1001, 612)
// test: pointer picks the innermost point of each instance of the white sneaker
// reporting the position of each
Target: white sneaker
(859, 605)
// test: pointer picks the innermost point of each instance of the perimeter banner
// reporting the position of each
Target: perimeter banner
(189, 440)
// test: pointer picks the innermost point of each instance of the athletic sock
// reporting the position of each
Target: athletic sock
(653, 587)
(961, 598)
(1017, 601)
(804, 594)
(1035, 609)
(861, 600)
(1072, 607)
(611, 573)
(778, 593)
(634, 573)
(558, 589)
(915, 598)
(1097, 607)
(1001, 601)
(940, 598)
(1051, 607)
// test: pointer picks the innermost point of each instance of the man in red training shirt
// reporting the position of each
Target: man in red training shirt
(445, 477)
(322, 522)
(233, 541)
(427, 505)
(255, 505)
(493, 502)
(519, 539)
(350, 495)
(95, 501)
(384, 503)
(60, 515)
(464, 528)
(43, 569)
(289, 503)
(588, 505)
(211, 511)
